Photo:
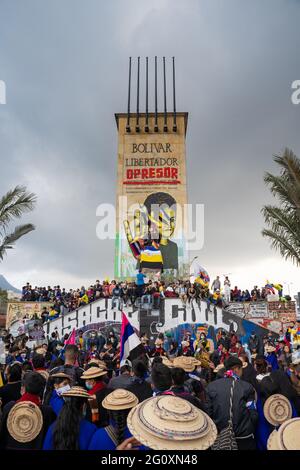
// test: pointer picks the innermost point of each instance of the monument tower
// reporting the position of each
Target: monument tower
(151, 171)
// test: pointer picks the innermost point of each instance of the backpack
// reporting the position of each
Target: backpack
(226, 439)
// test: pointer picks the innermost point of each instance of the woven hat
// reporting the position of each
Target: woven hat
(76, 392)
(43, 373)
(40, 350)
(272, 443)
(277, 409)
(60, 375)
(93, 372)
(218, 368)
(288, 435)
(100, 363)
(270, 349)
(186, 363)
(167, 362)
(120, 399)
(24, 421)
(167, 422)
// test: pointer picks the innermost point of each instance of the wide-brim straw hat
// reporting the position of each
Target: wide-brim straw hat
(120, 399)
(100, 363)
(167, 362)
(76, 392)
(93, 372)
(44, 374)
(272, 441)
(218, 368)
(24, 421)
(40, 350)
(171, 423)
(277, 409)
(186, 363)
(60, 375)
(287, 437)
(270, 349)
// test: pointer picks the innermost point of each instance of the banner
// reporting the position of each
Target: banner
(151, 175)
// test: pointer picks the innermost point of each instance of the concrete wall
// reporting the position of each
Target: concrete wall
(172, 317)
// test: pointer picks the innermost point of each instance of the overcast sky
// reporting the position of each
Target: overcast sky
(65, 63)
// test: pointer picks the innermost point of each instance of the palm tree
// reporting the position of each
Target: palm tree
(12, 205)
(284, 220)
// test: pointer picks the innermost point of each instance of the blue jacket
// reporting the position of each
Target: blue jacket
(56, 402)
(272, 360)
(86, 432)
(102, 441)
(264, 428)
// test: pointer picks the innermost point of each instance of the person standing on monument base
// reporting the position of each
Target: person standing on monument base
(216, 285)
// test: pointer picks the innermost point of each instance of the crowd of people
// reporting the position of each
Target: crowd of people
(198, 394)
(143, 291)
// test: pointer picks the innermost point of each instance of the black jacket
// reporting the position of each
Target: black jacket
(10, 392)
(140, 388)
(218, 398)
(8, 442)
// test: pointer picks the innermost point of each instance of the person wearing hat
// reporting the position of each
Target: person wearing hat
(71, 431)
(277, 396)
(179, 389)
(58, 384)
(287, 436)
(244, 412)
(25, 422)
(97, 389)
(161, 423)
(118, 403)
(158, 350)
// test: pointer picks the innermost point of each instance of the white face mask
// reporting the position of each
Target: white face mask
(64, 389)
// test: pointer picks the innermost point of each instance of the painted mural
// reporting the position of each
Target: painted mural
(24, 310)
(172, 318)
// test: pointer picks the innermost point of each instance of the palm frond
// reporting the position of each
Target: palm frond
(10, 239)
(280, 243)
(284, 221)
(14, 203)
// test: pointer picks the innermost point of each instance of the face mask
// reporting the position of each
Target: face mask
(89, 386)
(61, 390)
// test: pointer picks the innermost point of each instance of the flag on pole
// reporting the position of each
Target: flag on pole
(71, 339)
(129, 341)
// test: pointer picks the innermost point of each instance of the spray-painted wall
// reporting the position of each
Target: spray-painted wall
(172, 317)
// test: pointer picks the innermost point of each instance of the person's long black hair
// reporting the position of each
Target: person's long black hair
(50, 388)
(120, 419)
(66, 428)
